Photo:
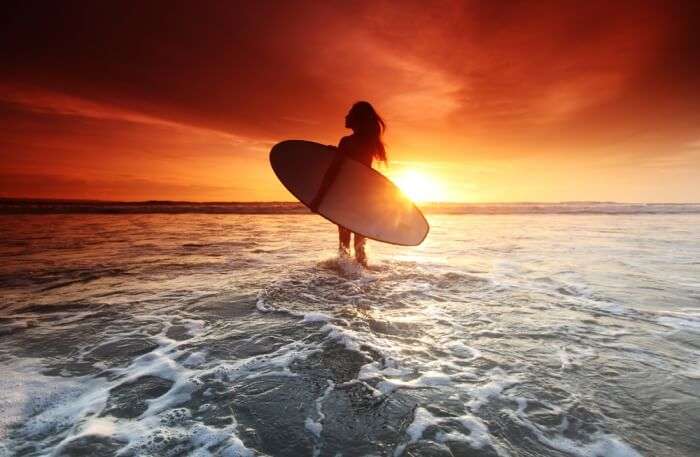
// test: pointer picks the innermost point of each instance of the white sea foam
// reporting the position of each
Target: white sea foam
(564, 358)
(343, 336)
(422, 419)
(431, 379)
(194, 327)
(195, 359)
(692, 374)
(373, 370)
(477, 438)
(45, 403)
(315, 426)
(50, 405)
(598, 445)
(493, 388)
(463, 351)
(316, 317)
(686, 322)
(478, 432)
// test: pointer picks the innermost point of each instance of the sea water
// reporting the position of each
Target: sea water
(246, 334)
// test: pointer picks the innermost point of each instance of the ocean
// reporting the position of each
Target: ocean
(167, 329)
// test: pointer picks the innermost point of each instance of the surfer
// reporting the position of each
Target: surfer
(338, 183)
(364, 145)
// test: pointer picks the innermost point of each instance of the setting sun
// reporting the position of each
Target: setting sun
(418, 186)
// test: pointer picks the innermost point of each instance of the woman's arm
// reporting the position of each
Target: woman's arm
(330, 175)
(344, 145)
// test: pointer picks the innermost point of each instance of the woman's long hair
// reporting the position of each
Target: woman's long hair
(369, 127)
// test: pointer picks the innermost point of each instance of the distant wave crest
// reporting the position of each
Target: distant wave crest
(33, 206)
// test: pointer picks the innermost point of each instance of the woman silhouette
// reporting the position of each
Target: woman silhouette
(364, 145)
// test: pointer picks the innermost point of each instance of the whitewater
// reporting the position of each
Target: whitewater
(548, 333)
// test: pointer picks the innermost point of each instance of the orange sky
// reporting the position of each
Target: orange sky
(494, 101)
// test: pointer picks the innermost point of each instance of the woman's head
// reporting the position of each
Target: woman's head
(368, 125)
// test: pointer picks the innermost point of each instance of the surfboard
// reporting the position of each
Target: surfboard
(348, 193)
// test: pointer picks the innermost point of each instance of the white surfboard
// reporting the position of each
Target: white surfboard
(348, 193)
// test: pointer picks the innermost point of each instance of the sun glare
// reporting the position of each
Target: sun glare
(418, 186)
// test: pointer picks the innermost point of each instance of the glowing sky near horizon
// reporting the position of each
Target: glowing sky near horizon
(484, 101)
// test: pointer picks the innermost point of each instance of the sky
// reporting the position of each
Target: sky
(484, 101)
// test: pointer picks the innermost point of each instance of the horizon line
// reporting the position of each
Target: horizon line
(239, 202)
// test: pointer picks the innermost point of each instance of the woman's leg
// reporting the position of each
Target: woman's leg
(344, 239)
(360, 254)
